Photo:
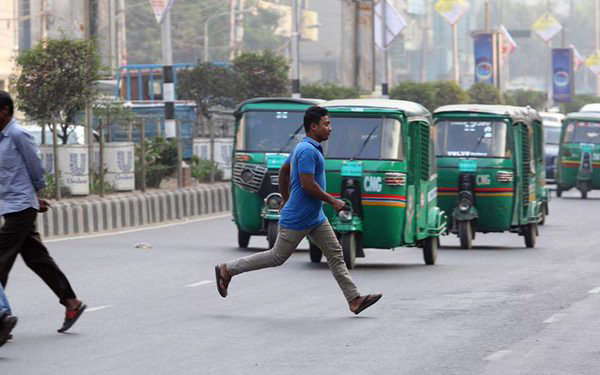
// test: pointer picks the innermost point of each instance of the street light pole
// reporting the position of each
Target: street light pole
(207, 22)
(384, 81)
(295, 52)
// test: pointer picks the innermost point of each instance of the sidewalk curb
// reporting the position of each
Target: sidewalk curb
(112, 214)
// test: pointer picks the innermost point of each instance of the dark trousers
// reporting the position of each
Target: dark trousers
(18, 236)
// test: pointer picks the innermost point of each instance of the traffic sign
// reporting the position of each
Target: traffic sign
(452, 10)
(546, 27)
(160, 8)
(593, 62)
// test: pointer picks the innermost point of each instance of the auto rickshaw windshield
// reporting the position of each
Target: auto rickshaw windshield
(471, 138)
(365, 138)
(552, 135)
(270, 131)
(583, 132)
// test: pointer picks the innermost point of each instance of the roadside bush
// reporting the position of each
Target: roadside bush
(201, 169)
(161, 161)
(448, 92)
(422, 93)
(522, 98)
(48, 192)
(578, 102)
(484, 93)
(328, 91)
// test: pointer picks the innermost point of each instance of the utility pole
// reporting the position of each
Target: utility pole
(597, 18)
(122, 34)
(455, 69)
(232, 30)
(42, 21)
(384, 80)
(295, 51)
(168, 86)
(88, 120)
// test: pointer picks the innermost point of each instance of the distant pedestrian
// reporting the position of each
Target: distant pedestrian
(21, 179)
(7, 321)
(302, 187)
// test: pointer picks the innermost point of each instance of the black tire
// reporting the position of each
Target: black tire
(430, 248)
(349, 246)
(465, 234)
(543, 219)
(243, 239)
(584, 194)
(530, 233)
(315, 253)
(546, 209)
(272, 231)
(558, 191)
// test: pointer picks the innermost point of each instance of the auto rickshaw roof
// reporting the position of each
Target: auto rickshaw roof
(594, 116)
(410, 109)
(275, 100)
(513, 112)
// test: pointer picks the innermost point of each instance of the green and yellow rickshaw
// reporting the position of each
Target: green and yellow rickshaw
(490, 163)
(579, 154)
(266, 131)
(380, 159)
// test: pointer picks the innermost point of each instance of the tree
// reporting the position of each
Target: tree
(448, 92)
(55, 80)
(523, 98)
(260, 74)
(259, 31)
(328, 91)
(578, 102)
(484, 93)
(422, 93)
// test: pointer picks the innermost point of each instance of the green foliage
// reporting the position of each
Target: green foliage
(95, 185)
(160, 160)
(56, 80)
(523, 98)
(201, 169)
(328, 91)
(578, 102)
(484, 93)
(431, 95)
(48, 191)
(208, 85)
(259, 30)
(260, 74)
(422, 93)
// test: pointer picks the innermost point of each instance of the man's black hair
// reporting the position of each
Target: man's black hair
(313, 116)
(6, 100)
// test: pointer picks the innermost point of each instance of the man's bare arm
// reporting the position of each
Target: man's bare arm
(313, 189)
(284, 182)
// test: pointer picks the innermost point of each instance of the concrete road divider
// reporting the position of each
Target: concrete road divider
(128, 211)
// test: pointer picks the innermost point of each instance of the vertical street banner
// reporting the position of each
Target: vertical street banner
(562, 75)
(485, 69)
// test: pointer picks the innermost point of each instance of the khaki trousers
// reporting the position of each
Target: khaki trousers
(285, 245)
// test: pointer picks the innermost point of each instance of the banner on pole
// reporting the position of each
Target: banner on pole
(160, 8)
(452, 10)
(562, 75)
(485, 69)
(546, 27)
(394, 23)
(577, 58)
(508, 43)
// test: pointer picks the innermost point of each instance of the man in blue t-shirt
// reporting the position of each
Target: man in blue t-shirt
(302, 187)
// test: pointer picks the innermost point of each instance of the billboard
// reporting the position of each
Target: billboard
(484, 51)
(562, 75)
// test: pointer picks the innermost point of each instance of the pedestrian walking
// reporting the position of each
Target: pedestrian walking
(302, 187)
(7, 320)
(21, 179)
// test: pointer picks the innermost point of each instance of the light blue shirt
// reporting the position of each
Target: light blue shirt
(301, 210)
(21, 171)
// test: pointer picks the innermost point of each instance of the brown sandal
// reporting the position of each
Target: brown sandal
(368, 300)
(222, 284)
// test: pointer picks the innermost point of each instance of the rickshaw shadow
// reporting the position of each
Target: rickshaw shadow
(261, 249)
(484, 248)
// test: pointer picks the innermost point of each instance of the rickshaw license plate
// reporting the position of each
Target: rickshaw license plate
(275, 161)
(587, 147)
(467, 166)
(352, 169)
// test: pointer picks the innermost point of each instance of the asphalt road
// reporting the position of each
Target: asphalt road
(497, 309)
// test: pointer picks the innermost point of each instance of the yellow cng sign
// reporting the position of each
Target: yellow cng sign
(546, 27)
(593, 62)
(452, 10)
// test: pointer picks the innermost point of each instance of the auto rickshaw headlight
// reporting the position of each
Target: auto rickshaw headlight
(273, 201)
(464, 205)
(345, 215)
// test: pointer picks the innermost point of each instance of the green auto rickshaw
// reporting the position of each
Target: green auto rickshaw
(490, 164)
(380, 160)
(266, 131)
(579, 153)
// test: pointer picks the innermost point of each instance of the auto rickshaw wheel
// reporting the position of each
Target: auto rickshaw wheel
(349, 246)
(243, 239)
(465, 234)
(430, 248)
(530, 233)
(558, 191)
(315, 253)
(272, 231)
(584, 194)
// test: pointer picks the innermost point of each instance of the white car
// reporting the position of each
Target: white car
(592, 107)
(76, 135)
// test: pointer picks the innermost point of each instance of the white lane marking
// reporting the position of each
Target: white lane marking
(498, 355)
(92, 309)
(595, 290)
(149, 227)
(200, 283)
(554, 318)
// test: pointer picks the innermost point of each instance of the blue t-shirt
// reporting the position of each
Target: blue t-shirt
(301, 210)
